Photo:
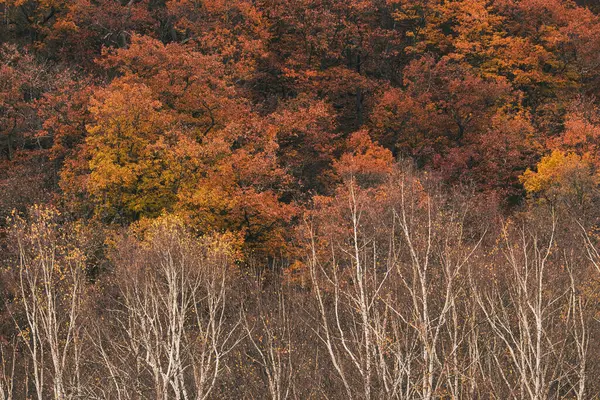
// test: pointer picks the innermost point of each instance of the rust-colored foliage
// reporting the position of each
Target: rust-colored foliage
(234, 114)
(299, 199)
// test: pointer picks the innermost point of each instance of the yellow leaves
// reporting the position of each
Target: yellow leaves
(168, 229)
(132, 164)
(561, 174)
(144, 159)
(48, 247)
(549, 171)
(127, 106)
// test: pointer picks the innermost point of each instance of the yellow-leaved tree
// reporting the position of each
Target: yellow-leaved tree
(562, 176)
(133, 155)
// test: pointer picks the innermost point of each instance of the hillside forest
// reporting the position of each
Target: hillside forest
(299, 199)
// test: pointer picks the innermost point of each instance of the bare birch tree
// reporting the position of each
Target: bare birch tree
(388, 300)
(538, 328)
(173, 316)
(269, 332)
(51, 286)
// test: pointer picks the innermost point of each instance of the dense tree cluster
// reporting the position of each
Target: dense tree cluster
(299, 199)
